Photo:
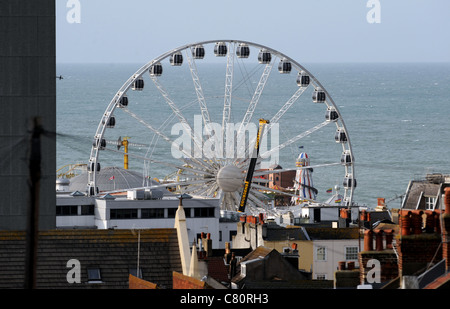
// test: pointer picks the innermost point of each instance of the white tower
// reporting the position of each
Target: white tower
(303, 183)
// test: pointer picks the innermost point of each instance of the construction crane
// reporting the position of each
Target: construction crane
(252, 165)
(125, 143)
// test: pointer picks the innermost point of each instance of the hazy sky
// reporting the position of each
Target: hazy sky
(115, 31)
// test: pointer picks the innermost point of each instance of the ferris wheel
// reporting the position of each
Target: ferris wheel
(193, 113)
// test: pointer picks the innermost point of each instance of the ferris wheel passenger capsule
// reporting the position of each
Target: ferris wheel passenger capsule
(110, 123)
(264, 56)
(176, 59)
(285, 66)
(198, 52)
(349, 182)
(123, 102)
(302, 79)
(156, 69)
(340, 136)
(243, 51)
(319, 96)
(346, 158)
(220, 49)
(92, 190)
(331, 115)
(100, 143)
(94, 167)
(138, 84)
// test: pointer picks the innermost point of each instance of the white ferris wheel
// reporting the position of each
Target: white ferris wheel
(193, 114)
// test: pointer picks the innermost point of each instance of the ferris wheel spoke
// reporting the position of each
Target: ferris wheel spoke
(165, 138)
(275, 171)
(258, 194)
(272, 190)
(255, 99)
(226, 113)
(252, 197)
(198, 89)
(287, 105)
(196, 139)
(294, 139)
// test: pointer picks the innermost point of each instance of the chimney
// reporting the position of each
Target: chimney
(416, 221)
(446, 230)
(368, 240)
(227, 255)
(379, 240)
(405, 222)
(207, 244)
(389, 237)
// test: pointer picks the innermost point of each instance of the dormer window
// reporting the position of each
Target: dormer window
(429, 202)
(94, 275)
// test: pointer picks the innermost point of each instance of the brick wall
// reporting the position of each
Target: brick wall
(388, 264)
(417, 251)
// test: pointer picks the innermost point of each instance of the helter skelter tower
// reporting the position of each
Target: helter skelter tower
(303, 182)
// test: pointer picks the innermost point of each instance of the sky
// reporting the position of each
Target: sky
(136, 31)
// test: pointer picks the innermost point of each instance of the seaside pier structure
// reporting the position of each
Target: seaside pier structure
(28, 100)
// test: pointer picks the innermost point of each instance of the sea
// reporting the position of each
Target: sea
(397, 116)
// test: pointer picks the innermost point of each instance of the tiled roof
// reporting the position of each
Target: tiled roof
(114, 252)
(415, 191)
(281, 233)
(217, 269)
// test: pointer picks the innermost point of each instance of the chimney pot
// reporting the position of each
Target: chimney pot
(350, 265)
(379, 240)
(416, 221)
(447, 200)
(405, 222)
(389, 237)
(368, 240)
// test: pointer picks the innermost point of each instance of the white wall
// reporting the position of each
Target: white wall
(335, 253)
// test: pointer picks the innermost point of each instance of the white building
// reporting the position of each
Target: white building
(140, 208)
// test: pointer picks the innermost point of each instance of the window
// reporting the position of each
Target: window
(123, 213)
(321, 254)
(66, 210)
(87, 210)
(429, 202)
(204, 212)
(147, 213)
(94, 275)
(171, 212)
(232, 233)
(351, 253)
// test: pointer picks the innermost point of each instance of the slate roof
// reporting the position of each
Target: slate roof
(276, 233)
(317, 233)
(415, 190)
(114, 252)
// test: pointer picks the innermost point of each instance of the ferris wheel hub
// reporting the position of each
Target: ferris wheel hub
(229, 178)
